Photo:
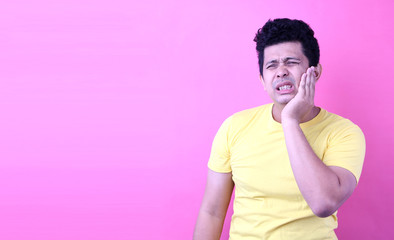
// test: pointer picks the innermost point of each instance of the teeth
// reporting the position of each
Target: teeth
(285, 87)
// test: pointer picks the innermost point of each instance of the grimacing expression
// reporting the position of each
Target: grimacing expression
(284, 64)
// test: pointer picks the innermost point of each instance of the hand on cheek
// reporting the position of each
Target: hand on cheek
(303, 102)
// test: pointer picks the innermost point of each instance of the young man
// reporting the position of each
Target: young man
(292, 163)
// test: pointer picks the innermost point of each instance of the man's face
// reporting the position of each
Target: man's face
(284, 64)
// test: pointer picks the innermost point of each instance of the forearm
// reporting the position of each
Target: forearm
(214, 206)
(208, 226)
(319, 185)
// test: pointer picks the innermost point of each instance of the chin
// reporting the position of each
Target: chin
(285, 100)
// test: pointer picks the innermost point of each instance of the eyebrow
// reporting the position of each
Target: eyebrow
(284, 60)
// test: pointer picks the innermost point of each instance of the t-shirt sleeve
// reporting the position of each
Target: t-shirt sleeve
(347, 150)
(219, 160)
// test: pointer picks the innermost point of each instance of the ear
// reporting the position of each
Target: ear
(262, 81)
(318, 71)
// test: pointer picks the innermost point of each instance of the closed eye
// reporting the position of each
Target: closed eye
(271, 66)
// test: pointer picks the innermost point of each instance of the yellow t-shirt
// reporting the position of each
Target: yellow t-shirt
(268, 204)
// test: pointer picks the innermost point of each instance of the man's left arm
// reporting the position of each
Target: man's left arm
(325, 188)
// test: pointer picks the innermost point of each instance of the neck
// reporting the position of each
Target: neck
(277, 113)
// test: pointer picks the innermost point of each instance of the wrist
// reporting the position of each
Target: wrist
(289, 122)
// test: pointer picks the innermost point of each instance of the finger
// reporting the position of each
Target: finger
(301, 87)
(308, 82)
(313, 82)
(309, 89)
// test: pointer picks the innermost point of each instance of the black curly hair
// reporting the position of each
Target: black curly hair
(286, 30)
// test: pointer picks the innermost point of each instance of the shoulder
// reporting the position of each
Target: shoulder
(250, 114)
(340, 126)
(245, 119)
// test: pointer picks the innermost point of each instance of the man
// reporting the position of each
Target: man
(292, 163)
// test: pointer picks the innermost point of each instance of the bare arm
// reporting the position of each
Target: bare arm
(214, 206)
(324, 188)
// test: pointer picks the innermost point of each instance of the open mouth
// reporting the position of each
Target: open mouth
(284, 87)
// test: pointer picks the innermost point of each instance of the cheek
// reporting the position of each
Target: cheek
(263, 83)
(266, 81)
(298, 77)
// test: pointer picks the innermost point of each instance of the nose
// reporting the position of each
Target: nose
(282, 72)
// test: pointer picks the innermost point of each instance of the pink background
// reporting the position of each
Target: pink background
(108, 109)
